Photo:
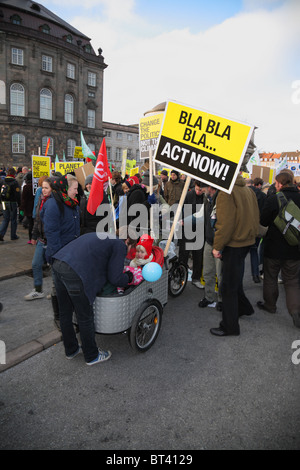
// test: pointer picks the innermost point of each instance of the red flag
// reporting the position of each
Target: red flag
(101, 175)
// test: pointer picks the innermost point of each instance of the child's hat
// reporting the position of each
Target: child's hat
(146, 242)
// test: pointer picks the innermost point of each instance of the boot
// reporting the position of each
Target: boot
(56, 311)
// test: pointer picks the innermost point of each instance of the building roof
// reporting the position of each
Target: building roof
(42, 12)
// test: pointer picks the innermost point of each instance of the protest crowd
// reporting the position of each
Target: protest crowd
(66, 224)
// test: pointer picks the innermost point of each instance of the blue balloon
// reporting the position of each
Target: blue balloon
(151, 272)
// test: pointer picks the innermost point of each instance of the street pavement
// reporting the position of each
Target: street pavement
(190, 391)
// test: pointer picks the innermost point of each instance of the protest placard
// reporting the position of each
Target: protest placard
(78, 152)
(40, 167)
(203, 145)
(67, 167)
(149, 132)
(82, 172)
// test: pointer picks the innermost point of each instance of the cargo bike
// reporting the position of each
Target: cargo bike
(138, 311)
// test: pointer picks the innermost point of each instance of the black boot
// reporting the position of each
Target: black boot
(56, 311)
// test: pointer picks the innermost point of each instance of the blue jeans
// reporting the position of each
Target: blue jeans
(71, 296)
(38, 260)
(9, 215)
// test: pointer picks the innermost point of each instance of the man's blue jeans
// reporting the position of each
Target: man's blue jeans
(38, 261)
(71, 296)
(10, 215)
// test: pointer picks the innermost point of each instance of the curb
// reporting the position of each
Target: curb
(31, 348)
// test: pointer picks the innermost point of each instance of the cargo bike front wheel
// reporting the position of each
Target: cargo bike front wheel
(146, 325)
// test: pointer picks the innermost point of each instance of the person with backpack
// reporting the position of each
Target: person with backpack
(279, 254)
(10, 199)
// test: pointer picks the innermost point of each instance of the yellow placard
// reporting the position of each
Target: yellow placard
(134, 171)
(40, 166)
(67, 167)
(78, 152)
(203, 145)
(149, 132)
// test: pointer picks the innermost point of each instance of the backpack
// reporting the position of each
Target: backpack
(288, 220)
(5, 191)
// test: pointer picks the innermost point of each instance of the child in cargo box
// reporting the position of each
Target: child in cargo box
(144, 253)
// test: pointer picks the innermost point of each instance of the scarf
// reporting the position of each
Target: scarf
(43, 200)
(60, 193)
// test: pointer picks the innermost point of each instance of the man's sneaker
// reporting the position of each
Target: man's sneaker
(198, 284)
(206, 303)
(102, 356)
(71, 356)
(34, 295)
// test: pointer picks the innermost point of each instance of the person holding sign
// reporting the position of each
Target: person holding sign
(237, 227)
(173, 188)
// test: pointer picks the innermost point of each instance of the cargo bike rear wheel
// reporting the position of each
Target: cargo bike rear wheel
(146, 325)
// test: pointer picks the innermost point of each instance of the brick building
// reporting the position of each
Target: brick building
(51, 84)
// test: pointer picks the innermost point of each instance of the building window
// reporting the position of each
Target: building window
(92, 79)
(71, 71)
(15, 19)
(69, 109)
(91, 94)
(69, 38)
(71, 144)
(47, 63)
(108, 152)
(45, 29)
(118, 153)
(18, 143)
(107, 133)
(44, 145)
(88, 48)
(91, 118)
(119, 135)
(129, 137)
(17, 56)
(17, 100)
(45, 104)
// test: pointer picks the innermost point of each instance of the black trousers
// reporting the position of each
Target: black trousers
(235, 302)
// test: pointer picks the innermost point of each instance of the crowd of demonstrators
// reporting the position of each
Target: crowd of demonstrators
(63, 226)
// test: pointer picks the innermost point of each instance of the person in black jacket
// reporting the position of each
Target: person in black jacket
(279, 255)
(194, 199)
(89, 222)
(10, 204)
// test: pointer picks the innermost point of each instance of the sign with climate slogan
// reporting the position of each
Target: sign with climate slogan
(205, 146)
(67, 167)
(149, 133)
(40, 167)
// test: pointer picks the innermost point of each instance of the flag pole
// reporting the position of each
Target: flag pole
(112, 205)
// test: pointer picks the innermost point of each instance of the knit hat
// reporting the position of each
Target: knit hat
(146, 179)
(146, 242)
(89, 179)
(176, 172)
(164, 172)
(128, 184)
(133, 180)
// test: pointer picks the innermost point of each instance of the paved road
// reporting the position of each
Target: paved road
(190, 391)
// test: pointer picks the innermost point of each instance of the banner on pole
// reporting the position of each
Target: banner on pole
(202, 145)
